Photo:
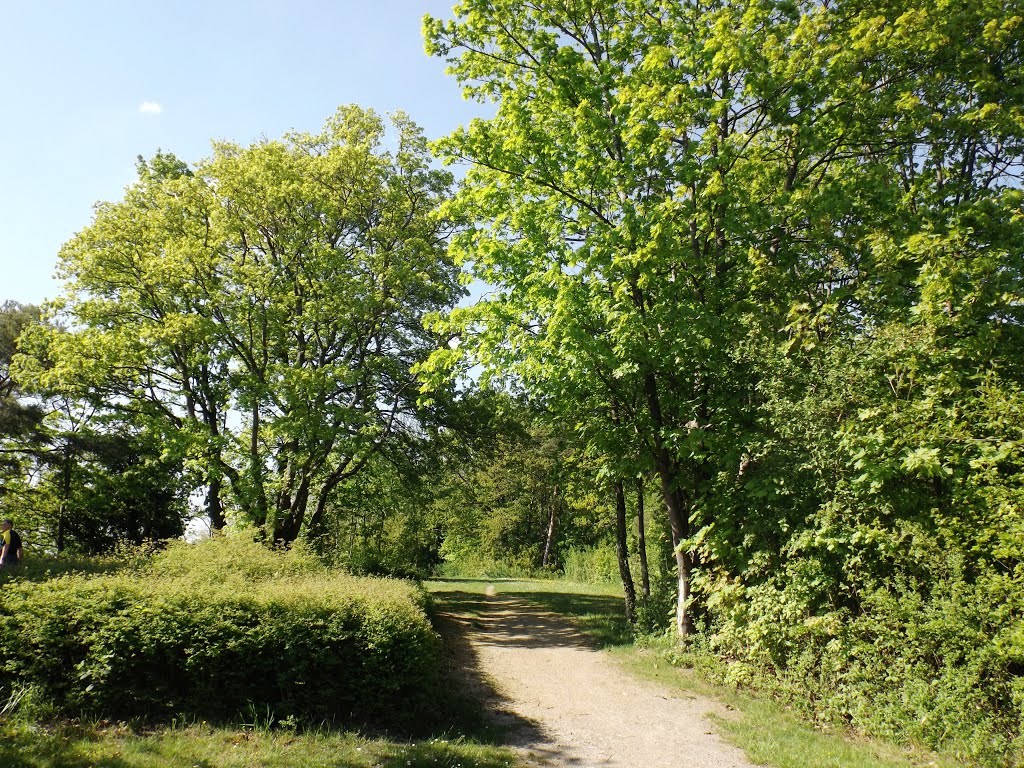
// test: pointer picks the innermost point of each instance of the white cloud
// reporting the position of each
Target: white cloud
(150, 108)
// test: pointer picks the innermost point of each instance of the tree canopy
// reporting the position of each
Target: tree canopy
(262, 310)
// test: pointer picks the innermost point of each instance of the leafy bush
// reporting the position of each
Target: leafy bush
(485, 567)
(233, 560)
(218, 629)
(937, 661)
(592, 565)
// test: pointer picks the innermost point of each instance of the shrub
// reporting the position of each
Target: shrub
(938, 662)
(213, 630)
(483, 566)
(230, 560)
(592, 565)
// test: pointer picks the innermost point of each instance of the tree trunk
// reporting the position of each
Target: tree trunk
(645, 577)
(291, 514)
(678, 517)
(214, 504)
(622, 553)
(62, 512)
(257, 469)
(679, 522)
(322, 500)
(549, 543)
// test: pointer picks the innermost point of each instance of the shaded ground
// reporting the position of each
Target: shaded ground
(565, 703)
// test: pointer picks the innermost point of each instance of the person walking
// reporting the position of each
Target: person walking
(11, 553)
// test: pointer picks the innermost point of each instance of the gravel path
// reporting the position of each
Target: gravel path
(570, 705)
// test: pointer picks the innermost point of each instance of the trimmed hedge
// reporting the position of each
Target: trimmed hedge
(192, 636)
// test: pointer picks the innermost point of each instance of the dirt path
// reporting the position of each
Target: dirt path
(568, 704)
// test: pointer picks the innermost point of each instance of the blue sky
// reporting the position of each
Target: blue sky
(88, 86)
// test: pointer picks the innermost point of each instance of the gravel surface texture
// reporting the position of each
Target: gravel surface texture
(566, 703)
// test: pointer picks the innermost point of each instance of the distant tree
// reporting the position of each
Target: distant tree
(511, 487)
(75, 477)
(121, 488)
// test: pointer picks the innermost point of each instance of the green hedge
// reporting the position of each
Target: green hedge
(217, 630)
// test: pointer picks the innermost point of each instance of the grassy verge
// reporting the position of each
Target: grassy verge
(769, 733)
(204, 746)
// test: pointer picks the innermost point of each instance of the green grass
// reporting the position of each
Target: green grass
(204, 746)
(769, 733)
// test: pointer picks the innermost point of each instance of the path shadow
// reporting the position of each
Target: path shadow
(469, 620)
(515, 621)
(581, 618)
(601, 618)
(471, 699)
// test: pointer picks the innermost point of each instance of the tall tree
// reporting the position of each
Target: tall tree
(604, 224)
(668, 189)
(263, 309)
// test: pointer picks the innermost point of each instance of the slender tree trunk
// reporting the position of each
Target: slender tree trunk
(679, 523)
(65, 497)
(549, 543)
(668, 474)
(645, 577)
(257, 469)
(203, 397)
(353, 536)
(622, 553)
(678, 516)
